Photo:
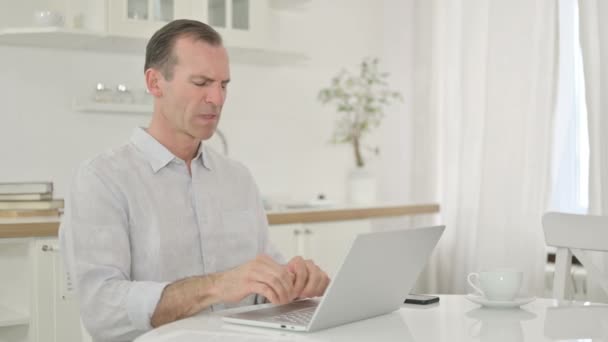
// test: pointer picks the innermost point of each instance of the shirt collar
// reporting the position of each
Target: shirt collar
(203, 155)
(158, 155)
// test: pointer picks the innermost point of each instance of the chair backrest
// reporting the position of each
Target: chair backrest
(574, 234)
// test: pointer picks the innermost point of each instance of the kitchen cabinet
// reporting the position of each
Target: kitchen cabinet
(329, 242)
(285, 238)
(36, 302)
(124, 26)
(242, 23)
(55, 316)
(14, 290)
(326, 243)
(140, 18)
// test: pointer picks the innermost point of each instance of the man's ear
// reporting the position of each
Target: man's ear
(153, 80)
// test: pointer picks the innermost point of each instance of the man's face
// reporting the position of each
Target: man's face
(192, 100)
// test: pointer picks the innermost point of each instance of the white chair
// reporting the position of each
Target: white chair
(575, 234)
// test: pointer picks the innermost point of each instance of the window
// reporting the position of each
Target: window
(570, 159)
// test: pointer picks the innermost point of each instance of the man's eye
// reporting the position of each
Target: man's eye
(201, 84)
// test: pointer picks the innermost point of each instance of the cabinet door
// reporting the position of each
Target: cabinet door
(286, 238)
(141, 18)
(328, 242)
(55, 315)
(242, 23)
(14, 290)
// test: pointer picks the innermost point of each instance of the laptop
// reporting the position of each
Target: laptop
(376, 275)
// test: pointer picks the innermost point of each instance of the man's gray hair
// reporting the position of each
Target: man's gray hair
(159, 51)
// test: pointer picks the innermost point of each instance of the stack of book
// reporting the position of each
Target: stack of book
(28, 199)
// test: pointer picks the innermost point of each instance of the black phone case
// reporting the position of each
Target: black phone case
(421, 302)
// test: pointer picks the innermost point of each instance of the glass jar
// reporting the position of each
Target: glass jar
(123, 94)
(102, 94)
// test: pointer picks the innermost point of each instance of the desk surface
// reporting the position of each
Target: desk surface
(453, 319)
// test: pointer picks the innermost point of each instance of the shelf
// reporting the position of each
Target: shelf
(62, 38)
(94, 107)
(9, 318)
(57, 37)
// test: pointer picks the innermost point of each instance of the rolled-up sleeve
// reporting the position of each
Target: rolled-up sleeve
(95, 245)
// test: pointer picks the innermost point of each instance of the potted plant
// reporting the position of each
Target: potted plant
(360, 99)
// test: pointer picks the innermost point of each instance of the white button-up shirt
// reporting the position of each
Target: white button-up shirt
(136, 220)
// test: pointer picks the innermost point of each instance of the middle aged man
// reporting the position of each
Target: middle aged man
(164, 227)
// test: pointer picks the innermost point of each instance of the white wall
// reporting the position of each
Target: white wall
(272, 119)
(396, 165)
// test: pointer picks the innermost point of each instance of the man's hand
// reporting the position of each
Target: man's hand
(262, 276)
(310, 280)
(280, 284)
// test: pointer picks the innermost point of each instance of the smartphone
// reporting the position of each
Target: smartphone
(421, 299)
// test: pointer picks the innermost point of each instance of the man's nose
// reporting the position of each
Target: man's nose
(215, 95)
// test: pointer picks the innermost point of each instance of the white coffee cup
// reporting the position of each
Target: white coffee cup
(498, 284)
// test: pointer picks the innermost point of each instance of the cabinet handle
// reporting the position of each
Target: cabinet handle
(49, 248)
(296, 232)
(307, 231)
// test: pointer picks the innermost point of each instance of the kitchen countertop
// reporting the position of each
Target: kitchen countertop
(343, 213)
(49, 226)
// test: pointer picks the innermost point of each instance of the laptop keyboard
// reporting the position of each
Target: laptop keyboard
(297, 313)
(298, 317)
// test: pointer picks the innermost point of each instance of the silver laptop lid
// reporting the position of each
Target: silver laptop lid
(377, 274)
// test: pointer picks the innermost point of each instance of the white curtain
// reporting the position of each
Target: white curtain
(486, 83)
(593, 15)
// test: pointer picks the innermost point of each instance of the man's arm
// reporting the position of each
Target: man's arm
(189, 296)
(96, 248)
(184, 298)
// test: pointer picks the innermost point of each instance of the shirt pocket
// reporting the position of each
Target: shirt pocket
(238, 238)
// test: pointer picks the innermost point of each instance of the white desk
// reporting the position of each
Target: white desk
(453, 319)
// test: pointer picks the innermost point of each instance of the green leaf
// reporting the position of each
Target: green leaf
(360, 98)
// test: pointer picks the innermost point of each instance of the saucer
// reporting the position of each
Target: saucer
(517, 302)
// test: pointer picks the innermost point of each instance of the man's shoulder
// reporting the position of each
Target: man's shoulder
(108, 170)
(111, 160)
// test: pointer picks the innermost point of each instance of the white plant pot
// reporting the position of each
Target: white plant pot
(361, 187)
